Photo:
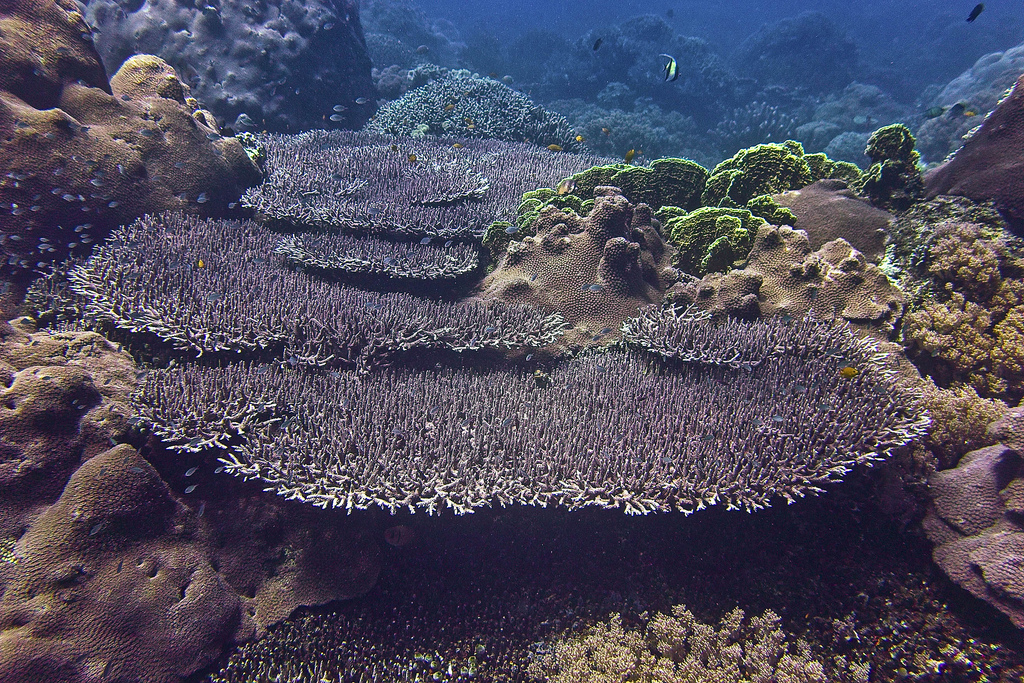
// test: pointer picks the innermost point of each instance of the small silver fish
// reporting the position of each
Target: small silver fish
(190, 489)
(361, 100)
(190, 471)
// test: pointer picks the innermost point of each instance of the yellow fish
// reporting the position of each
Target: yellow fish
(412, 158)
(629, 155)
(970, 112)
(580, 138)
(457, 145)
(555, 148)
(200, 264)
(566, 186)
(848, 372)
(450, 107)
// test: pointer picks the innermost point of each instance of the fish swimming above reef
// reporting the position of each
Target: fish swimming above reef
(671, 68)
(934, 112)
(597, 43)
(978, 9)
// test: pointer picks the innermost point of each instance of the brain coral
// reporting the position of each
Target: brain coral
(596, 271)
(82, 156)
(462, 104)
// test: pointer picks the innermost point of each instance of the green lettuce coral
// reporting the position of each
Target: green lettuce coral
(711, 238)
(893, 181)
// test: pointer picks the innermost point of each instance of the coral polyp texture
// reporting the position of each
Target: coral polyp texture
(401, 186)
(215, 287)
(611, 430)
(348, 255)
(461, 104)
(81, 155)
(595, 271)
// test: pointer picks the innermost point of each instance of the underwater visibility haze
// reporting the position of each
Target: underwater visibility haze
(368, 341)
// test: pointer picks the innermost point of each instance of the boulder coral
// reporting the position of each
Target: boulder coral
(975, 523)
(130, 567)
(595, 270)
(82, 155)
(989, 165)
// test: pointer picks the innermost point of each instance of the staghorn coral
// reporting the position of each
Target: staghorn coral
(710, 238)
(595, 271)
(211, 287)
(893, 181)
(677, 648)
(975, 523)
(347, 255)
(783, 276)
(280, 65)
(367, 183)
(584, 436)
(987, 167)
(81, 155)
(461, 104)
(827, 210)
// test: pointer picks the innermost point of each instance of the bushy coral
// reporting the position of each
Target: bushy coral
(677, 648)
(893, 180)
(960, 420)
(465, 105)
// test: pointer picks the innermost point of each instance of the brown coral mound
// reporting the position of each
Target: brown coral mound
(990, 165)
(827, 210)
(975, 524)
(63, 398)
(783, 276)
(81, 156)
(596, 271)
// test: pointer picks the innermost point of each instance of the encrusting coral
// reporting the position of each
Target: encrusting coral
(581, 435)
(82, 155)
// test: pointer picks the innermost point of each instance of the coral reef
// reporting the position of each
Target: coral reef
(806, 51)
(960, 422)
(849, 146)
(827, 210)
(988, 166)
(82, 155)
(848, 116)
(407, 29)
(338, 440)
(461, 104)
(710, 238)
(105, 567)
(278, 66)
(401, 186)
(784, 276)
(595, 271)
(974, 522)
(893, 181)
(212, 287)
(979, 88)
(677, 648)
(350, 256)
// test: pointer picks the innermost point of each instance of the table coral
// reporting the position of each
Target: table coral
(82, 155)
